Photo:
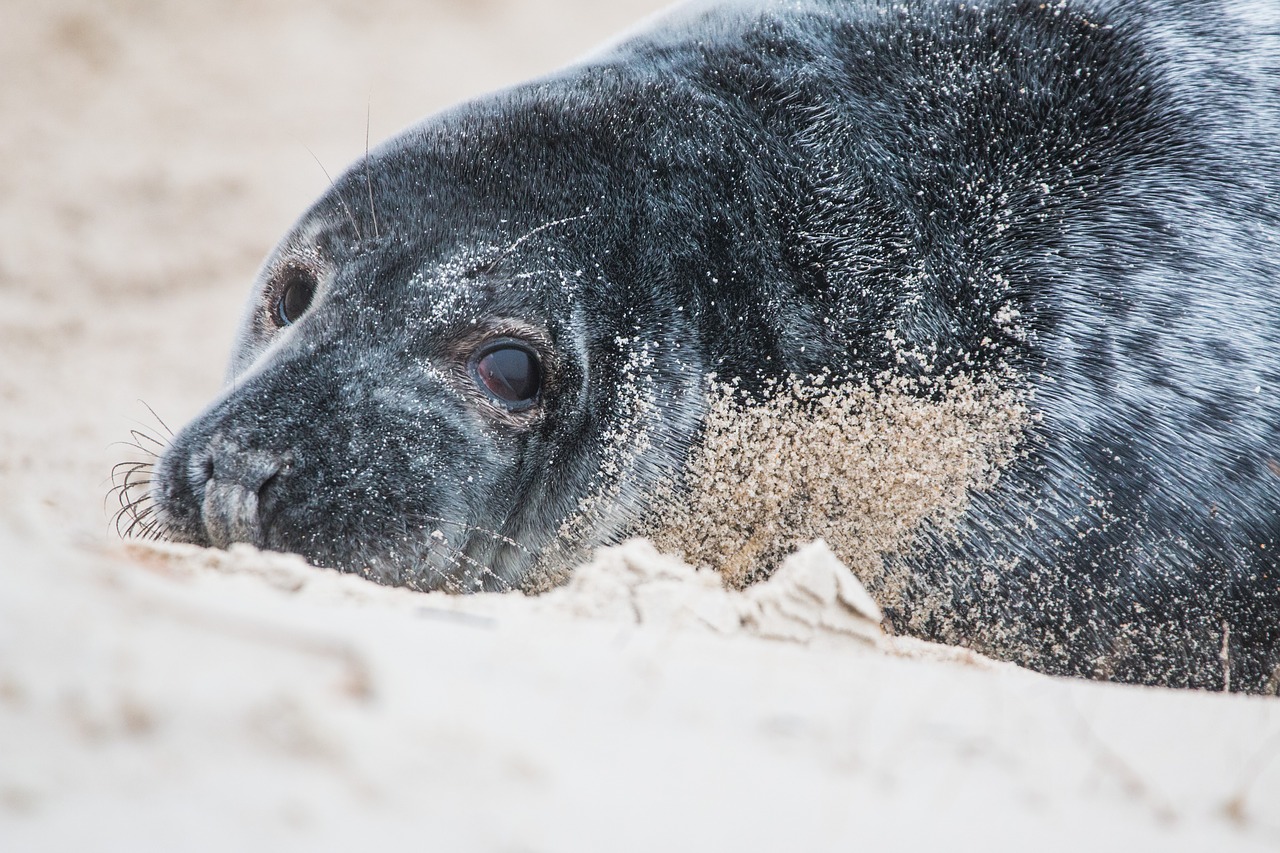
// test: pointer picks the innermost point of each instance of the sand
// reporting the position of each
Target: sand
(169, 698)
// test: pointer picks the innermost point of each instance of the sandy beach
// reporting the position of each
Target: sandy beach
(162, 697)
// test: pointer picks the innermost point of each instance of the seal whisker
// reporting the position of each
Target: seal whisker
(154, 529)
(134, 515)
(123, 490)
(151, 453)
(129, 466)
(458, 557)
(139, 520)
(131, 472)
(132, 479)
(470, 528)
(368, 175)
(123, 495)
(127, 491)
(140, 435)
(505, 253)
(449, 581)
(123, 487)
(355, 226)
(159, 420)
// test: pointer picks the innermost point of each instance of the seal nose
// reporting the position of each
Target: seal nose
(234, 481)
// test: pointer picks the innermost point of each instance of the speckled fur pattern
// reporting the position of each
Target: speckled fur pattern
(1080, 196)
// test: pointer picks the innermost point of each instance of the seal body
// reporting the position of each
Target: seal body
(498, 341)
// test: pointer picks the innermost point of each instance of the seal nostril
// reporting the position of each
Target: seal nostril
(239, 484)
(266, 484)
(199, 472)
(268, 492)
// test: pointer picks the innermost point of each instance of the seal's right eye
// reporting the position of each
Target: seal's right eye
(294, 297)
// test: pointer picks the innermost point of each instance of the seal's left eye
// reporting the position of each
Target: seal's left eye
(511, 374)
(295, 297)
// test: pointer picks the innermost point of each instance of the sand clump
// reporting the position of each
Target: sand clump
(861, 465)
(811, 596)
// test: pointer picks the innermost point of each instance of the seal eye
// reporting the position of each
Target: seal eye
(295, 297)
(510, 373)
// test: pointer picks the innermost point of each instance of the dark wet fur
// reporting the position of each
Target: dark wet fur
(731, 189)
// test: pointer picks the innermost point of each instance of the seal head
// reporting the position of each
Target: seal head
(447, 388)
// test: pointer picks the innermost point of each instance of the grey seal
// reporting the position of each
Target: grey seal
(845, 240)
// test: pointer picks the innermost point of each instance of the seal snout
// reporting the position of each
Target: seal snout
(235, 483)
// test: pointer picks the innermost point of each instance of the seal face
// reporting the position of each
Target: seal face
(984, 292)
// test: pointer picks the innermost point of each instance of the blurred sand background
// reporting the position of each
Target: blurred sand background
(173, 699)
